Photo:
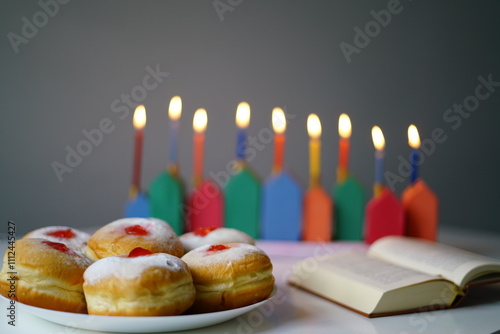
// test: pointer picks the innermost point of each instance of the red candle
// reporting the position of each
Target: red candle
(199, 127)
(345, 134)
(279, 126)
(139, 123)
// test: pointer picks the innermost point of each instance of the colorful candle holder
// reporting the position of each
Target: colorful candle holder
(349, 210)
(384, 216)
(421, 211)
(205, 207)
(281, 208)
(166, 195)
(138, 206)
(242, 201)
(318, 215)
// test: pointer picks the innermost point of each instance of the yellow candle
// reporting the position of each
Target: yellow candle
(314, 131)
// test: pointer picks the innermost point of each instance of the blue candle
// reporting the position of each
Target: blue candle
(242, 121)
(414, 142)
(414, 167)
(240, 144)
(174, 113)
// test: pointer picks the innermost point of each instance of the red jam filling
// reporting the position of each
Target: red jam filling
(136, 230)
(203, 231)
(60, 247)
(66, 234)
(138, 251)
(217, 248)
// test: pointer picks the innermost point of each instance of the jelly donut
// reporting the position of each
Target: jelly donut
(46, 274)
(73, 238)
(228, 276)
(140, 284)
(123, 235)
(213, 236)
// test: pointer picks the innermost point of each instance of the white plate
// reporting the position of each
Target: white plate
(137, 324)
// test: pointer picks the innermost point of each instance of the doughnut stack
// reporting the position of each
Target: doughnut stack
(137, 267)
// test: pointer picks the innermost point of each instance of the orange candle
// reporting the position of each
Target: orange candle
(345, 134)
(199, 127)
(139, 122)
(314, 131)
(279, 127)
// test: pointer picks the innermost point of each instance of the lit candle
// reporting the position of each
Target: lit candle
(242, 121)
(199, 127)
(314, 131)
(345, 134)
(174, 113)
(139, 122)
(379, 143)
(279, 127)
(414, 142)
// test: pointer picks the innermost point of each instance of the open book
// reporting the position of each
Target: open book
(396, 275)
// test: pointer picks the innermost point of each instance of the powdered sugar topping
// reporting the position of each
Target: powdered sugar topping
(157, 229)
(78, 242)
(221, 235)
(234, 252)
(123, 267)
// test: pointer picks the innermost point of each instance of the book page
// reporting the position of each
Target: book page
(431, 258)
(379, 274)
(368, 285)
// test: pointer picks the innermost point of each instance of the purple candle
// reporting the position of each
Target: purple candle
(242, 121)
(174, 113)
(414, 142)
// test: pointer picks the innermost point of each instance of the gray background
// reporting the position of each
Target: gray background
(269, 53)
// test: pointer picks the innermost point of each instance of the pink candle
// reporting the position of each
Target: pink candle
(139, 124)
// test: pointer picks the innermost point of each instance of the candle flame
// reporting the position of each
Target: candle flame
(279, 120)
(175, 108)
(413, 137)
(345, 126)
(139, 117)
(243, 115)
(313, 126)
(200, 120)
(378, 138)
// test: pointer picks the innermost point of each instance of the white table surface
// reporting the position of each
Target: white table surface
(295, 311)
